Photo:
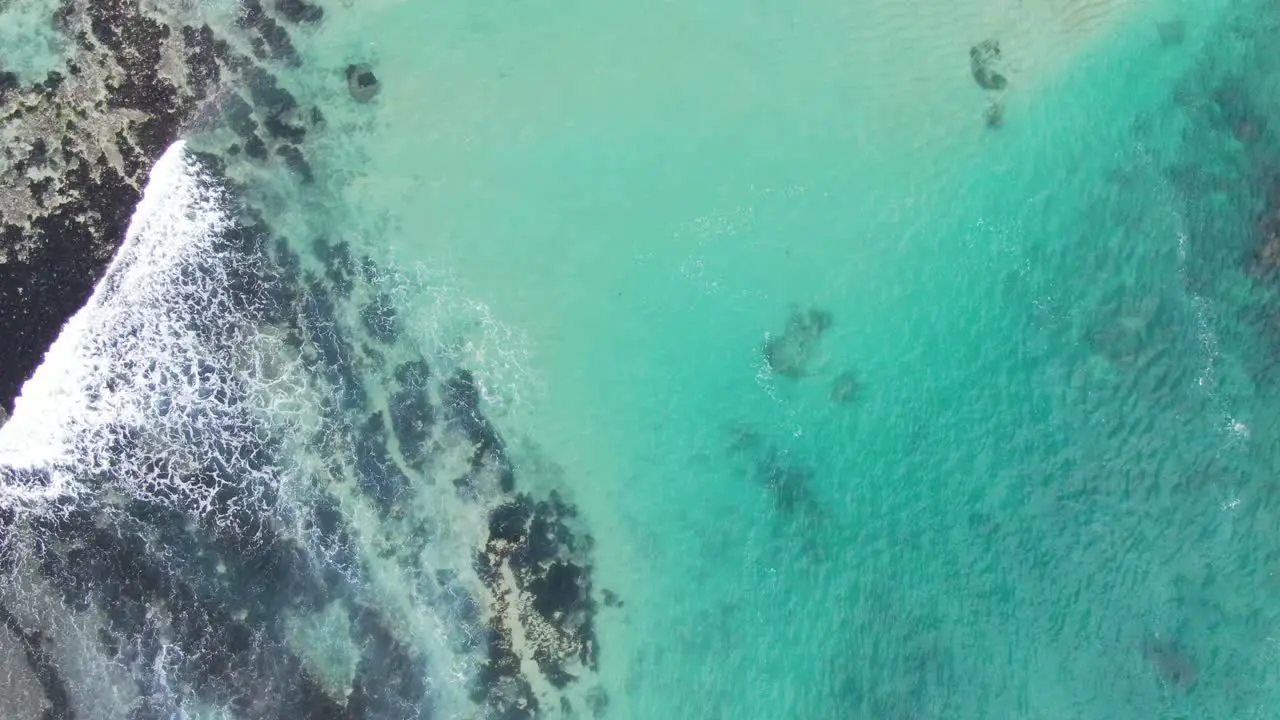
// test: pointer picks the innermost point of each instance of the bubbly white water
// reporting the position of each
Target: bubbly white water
(161, 361)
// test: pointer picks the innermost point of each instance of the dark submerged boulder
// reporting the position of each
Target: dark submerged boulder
(983, 60)
(362, 83)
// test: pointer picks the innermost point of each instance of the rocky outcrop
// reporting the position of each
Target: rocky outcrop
(78, 146)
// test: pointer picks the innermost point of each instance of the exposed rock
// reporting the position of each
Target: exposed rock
(78, 147)
(362, 83)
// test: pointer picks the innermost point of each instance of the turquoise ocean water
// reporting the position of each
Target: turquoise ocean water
(1051, 490)
(1042, 481)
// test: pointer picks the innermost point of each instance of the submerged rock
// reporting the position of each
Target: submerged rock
(538, 572)
(845, 388)
(296, 163)
(994, 115)
(1175, 668)
(379, 319)
(362, 83)
(1172, 32)
(791, 354)
(983, 60)
(299, 11)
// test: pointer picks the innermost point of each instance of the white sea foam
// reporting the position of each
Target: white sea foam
(156, 366)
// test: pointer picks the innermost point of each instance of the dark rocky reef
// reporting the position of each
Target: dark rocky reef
(984, 63)
(379, 476)
(43, 670)
(267, 36)
(362, 83)
(391, 680)
(903, 664)
(461, 397)
(334, 353)
(845, 389)
(1266, 258)
(1172, 32)
(536, 569)
(79, 145)
(993, 116)
(220, 616)
(412, 416)
(299, 11)
(785, 478)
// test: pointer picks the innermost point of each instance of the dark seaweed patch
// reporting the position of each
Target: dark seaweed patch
(203, 71)
(379, 477)
(282, 130)
(272, 40)
(339, 267)
(41, 666)
(411, 412)
(255, 148)
(299, 11)
(390, 681)
(362, 83)
(534, 541)
(461, 396)
(58, 275)
(266, 93)
(379, 319)
(336, 355)
(294, 160)
(239, 114)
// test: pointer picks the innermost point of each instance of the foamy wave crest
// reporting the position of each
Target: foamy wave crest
(164, 373)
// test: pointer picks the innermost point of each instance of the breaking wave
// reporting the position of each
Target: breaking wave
(164, 370)
(238, 485)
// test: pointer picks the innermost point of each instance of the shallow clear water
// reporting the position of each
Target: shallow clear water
(1028, 469)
